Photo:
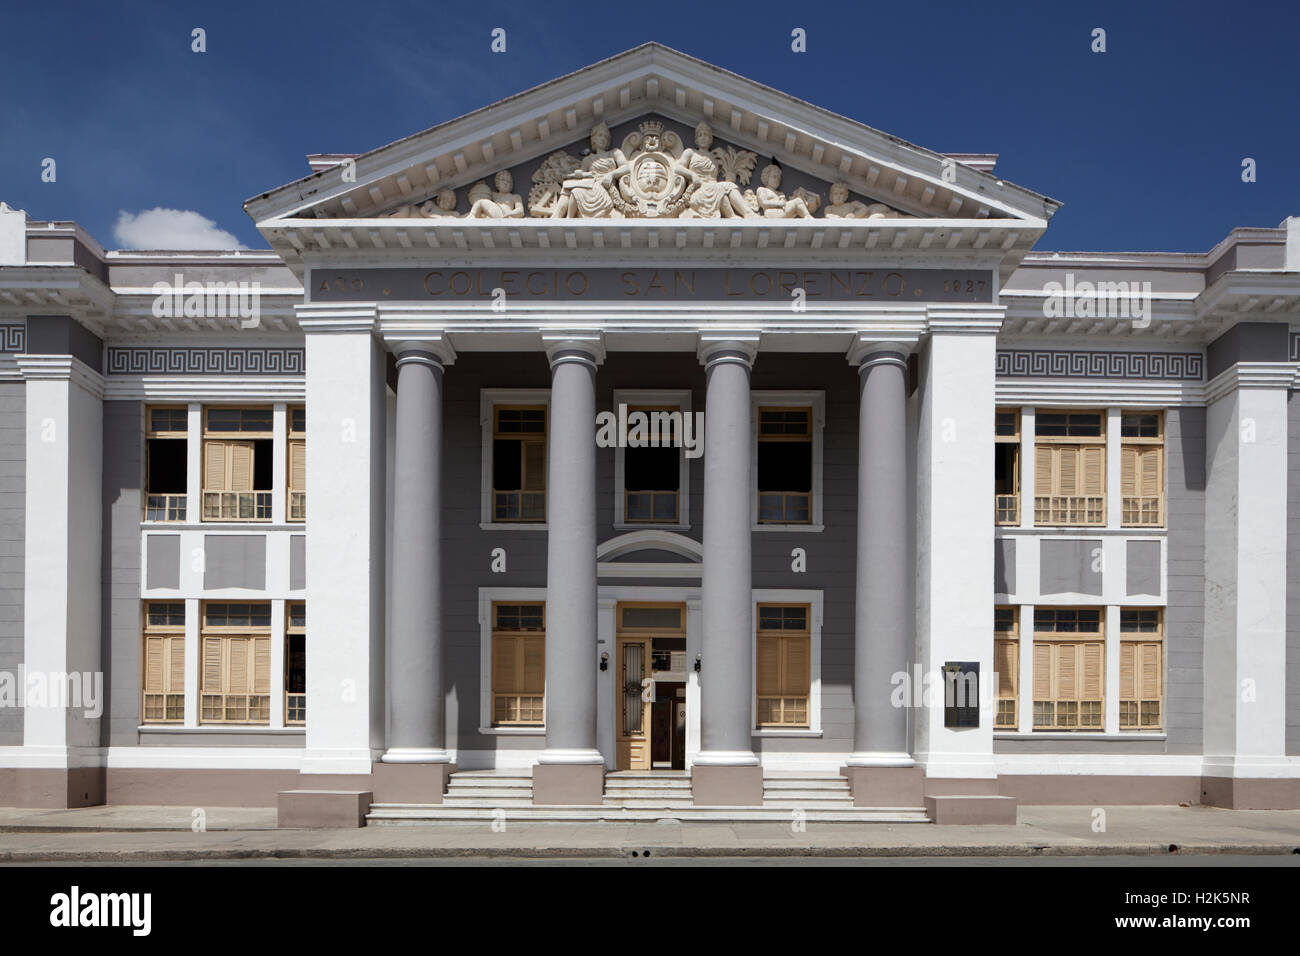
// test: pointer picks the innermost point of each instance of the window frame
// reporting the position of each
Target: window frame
(489, 400)
(783, 636)
(659, 399)
(1079, 443)
(1007, 507)
(225, 633)
(497, 632)
(1136, 640)
(262, 498)
(1011, 637)
(1053, 640)
(172, 501)
(788, 596)
(291, 629)
(1144, 444)
(295, 498)
(815, 402)
(168, 633)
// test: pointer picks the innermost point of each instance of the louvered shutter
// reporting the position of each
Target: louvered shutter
(534, 665)
(1006, 664)
(1067, 480)
(297, 466)
(1128, 471)
(1044, 462)
(153, 666)
(1091, 672)
(505, 668)
(1067, 672)
(1042, 672)
(214, 466)
(1151, 480)
(241, 466)
(1092, 471)
(176, 671)
(261, 665)
(212, 665)
(796, 678)
(768, 665)
(1149, 671)
(1128, 666)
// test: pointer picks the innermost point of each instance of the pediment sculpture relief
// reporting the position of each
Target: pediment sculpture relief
(650, 175)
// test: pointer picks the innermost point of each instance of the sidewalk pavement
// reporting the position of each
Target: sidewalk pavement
(141, 834)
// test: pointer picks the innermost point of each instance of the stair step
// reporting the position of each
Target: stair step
(412, 815)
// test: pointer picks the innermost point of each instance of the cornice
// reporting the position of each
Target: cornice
(60, 368)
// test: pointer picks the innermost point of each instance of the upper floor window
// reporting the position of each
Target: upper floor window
(1141, 668)
(519, 463)
(785, 465)
(1070, 468)
(1006, 466)
(296, 467)
(650, 464)
(1142, 469)
(783, 665)
(518, 663)
(235, 663)
(166, 462)
(295, 664)
(1006, 665)
(162, 681)
(237, 458)
(1069, 668)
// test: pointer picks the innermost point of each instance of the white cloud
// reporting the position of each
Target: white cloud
(160, 228)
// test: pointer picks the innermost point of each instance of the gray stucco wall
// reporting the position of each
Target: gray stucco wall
(1293, 577)
(123, 479)
(1185, 613)
(13, 453)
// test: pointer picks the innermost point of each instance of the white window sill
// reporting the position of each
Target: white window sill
(223, 526)
(509, 526)
(219, 729)
(649, 526)
(529, 731)
(1079, 531)
(787, 527)
(1078, 735)
(785, 732)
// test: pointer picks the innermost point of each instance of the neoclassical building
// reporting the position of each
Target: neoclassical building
(650, 443)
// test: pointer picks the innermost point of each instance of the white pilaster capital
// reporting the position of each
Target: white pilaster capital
(566, 344)
(1252, 375)
(60, 368)
(728, 341)
(968, 320)
(337, 319)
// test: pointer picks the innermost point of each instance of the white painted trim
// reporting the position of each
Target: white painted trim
(816, 400)
(1110, 675)
(670, 397)
(813, 598)
(650, 539)
(278, 628)
(1113, 488)
(1109, 764)
(488, 399)
(279, 462)
(168, 389)
(485, 598)
(205, 758)
(1025, 704)
(1098, 392)
(193, 645)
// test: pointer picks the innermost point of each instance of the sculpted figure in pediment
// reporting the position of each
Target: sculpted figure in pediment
(585, 193)
(774, 204)
(711, 198)
(841, 208)
(443, 207)
(502, 204)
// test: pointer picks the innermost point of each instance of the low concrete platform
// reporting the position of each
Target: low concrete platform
(972, 809)
(324, 808)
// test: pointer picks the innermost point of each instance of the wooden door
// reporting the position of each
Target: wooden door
(635, 695)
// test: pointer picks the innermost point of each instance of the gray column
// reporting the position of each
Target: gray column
(417, 728)
(571, 658)
(726, 658)
(882, 634)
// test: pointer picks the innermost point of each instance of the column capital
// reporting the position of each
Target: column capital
(575, 345)
(728, 345)
(870, 348)
(1252, 375)
(421, 346)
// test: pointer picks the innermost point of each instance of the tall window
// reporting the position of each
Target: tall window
(1142, 469)
(1141, 669)
(519, 463)
(237, 445)
(518, 664)
(1006, 665)
(163, 678)
(1069, 468)
(785, 465)
(295, 664)
(1069, 669)
(235, 664)
(166, 467)
(297, 464)
(1006, 466)
(652, 475)
(783, 665)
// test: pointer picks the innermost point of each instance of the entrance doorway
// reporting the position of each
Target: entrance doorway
(651, 689)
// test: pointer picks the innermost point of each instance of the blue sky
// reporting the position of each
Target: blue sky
(1143, 143)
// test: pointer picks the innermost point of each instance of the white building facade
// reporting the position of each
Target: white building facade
(650, 425)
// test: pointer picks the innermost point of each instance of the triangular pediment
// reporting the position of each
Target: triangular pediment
(543, 139)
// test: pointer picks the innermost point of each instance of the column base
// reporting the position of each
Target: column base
(886, 786)
(1251, 793)
(722, 786)
(41, 788)
(411, 782)
(415, 755)
(560, 784)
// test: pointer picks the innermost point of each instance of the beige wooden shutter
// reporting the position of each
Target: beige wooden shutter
(796, 679)
(214, 466)
(297, 465)
(1044, 466)
(1093, 470)
(176, 672)
(1067, 472)
(1091, 671)
(505, 668)
(534, 466)
(1006, 664)
(212, 665)
(1149, 671)
(241, 466)
(768, 665)
(1042, 672)
(1151, 480)
(261, 665)
(534, 665)
(1128, 654)
(1128, 471)
(1067, 672)
(237, 671)
(153, 665)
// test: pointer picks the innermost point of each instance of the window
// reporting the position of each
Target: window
(519, 463)
(295, 664)
(1006, 466)
(652, 477)
(237, 445)
(1142, 469)
(297, 464)
(1069, 468)
(166, 463)
(785, 465)
(783, 666)
(235, 664)
(518, 664)
(1006, 665)
(1141, 669)
(163, 681)
(1069, 669)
